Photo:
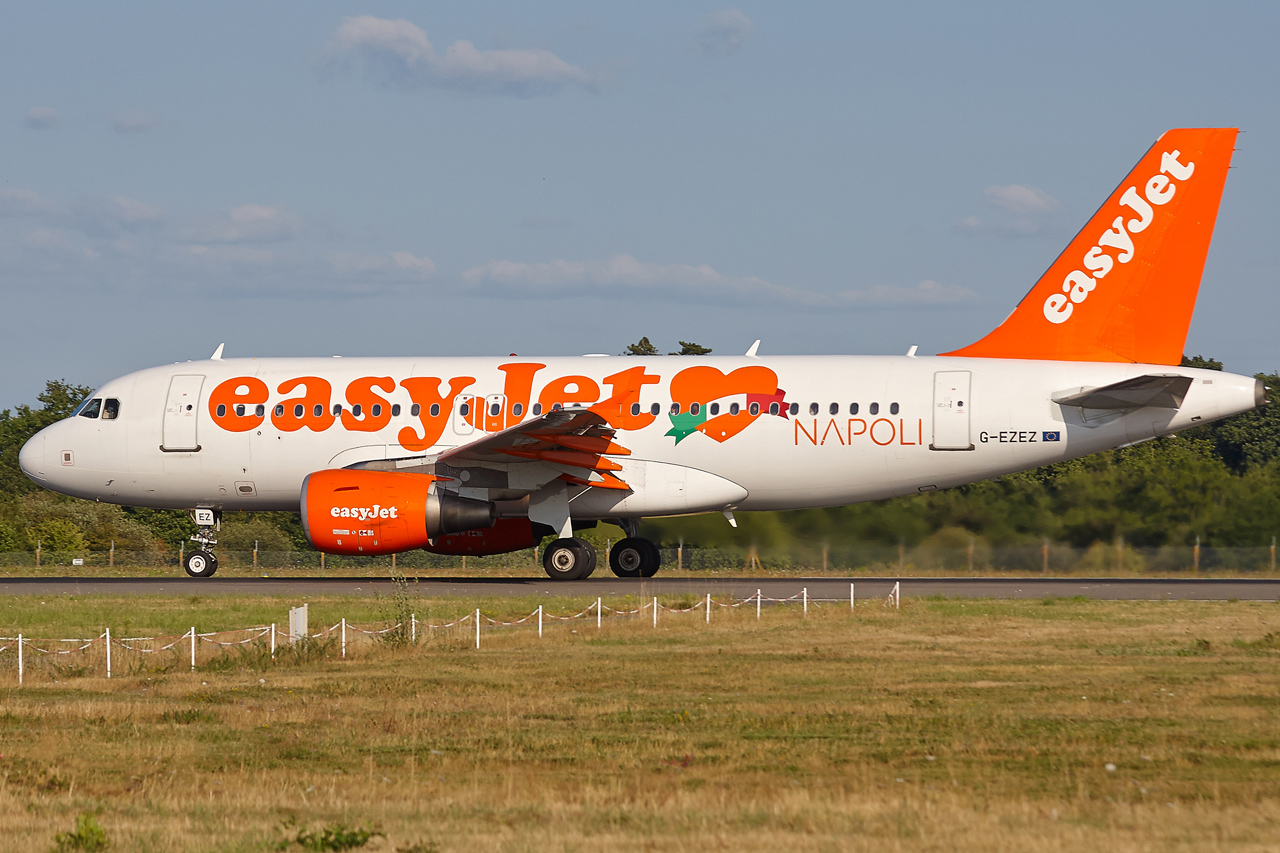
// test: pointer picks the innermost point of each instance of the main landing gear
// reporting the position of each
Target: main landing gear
(575, 559)
(202, 563)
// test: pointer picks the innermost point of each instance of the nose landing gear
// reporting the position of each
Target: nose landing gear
(202, 563)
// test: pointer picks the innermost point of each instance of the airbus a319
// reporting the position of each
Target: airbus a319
(488, 455)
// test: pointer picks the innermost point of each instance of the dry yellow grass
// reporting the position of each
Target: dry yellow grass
(948, 725)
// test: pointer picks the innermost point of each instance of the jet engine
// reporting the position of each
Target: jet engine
(383, 512)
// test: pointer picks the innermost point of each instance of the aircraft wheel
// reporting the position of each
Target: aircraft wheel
(569, 560)
(201, 564)
(634, 557)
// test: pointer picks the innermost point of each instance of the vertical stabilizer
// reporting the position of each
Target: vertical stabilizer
(1125, 288)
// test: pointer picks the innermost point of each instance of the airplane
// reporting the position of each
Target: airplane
(489, 455)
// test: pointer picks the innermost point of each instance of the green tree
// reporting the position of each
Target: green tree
(642, 347)
(689, 348)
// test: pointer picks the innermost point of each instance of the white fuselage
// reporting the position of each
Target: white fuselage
(920, 424)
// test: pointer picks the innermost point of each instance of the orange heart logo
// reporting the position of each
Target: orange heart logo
(703, 385)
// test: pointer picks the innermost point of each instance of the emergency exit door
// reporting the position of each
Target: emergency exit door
(181, 414)
(951, 410)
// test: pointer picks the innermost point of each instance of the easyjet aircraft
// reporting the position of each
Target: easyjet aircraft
(487, 455)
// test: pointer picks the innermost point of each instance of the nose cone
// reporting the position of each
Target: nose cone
(31, 459)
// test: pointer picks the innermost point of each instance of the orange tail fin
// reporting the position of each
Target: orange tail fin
(1125, 287)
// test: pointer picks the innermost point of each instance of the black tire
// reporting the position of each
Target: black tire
(569, 560)
(200, 564)
(635, 558)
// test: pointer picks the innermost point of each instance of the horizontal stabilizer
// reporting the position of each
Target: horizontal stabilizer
(1153, 391)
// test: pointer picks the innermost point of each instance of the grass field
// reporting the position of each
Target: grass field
(947, 725)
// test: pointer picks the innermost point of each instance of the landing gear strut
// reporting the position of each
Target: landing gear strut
(202, 563)
(569, 560)
(634, 557)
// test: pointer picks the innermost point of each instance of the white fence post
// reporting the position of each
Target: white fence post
(344, 636)
(896, 595)
(477, 627)
(708, 608)
(539, 621)
(273, 641)
(108, 636)
(758, 599)
(806, 600)
(413, 629)
(193, 648)
(598, 609)
(19, 660)
(655, 611)
(850, 598)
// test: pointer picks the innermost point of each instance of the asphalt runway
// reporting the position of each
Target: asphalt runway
(1117, 589)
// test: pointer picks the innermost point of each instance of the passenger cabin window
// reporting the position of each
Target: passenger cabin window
(317, 410)
(733, 408)
(537, 409)
(298, 410)
(773, 408)
(795, 409)
(239, 410)
(853, 408)
(376, 410)
(635, 409)
(415, 410)
(754, 408)
(834, 409)
(517, 409)
(110, 409)
(715, 408)
(260, 410)
(694, 408)
(813, 408)
(655, 409)
(337, 409)
(92, 410)
(875, 408)
(355, 410)
(222, 410)
(279, 410)
(435, 410)
(395, 410)
(675, 408)
(893, 408)
(464, 409)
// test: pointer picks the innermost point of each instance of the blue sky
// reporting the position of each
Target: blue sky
(560, 178)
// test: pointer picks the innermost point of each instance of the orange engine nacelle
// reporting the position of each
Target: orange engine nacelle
(383, 512)
(507, 534)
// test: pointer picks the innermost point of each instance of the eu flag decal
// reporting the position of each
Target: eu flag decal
(1052, 436)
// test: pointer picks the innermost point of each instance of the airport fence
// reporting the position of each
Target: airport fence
(261, 646)
(976, 558)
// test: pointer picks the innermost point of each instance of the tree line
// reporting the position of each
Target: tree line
(1219, 482)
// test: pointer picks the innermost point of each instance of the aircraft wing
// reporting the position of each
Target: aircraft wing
(1155, 391)
(577, 439)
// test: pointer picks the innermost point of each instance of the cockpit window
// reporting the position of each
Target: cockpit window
(92, 409)
(110, 409)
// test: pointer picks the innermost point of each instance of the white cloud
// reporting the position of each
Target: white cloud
(42, 118)
(133, 122)
(132, 211)
(249, 223)
(926, 293)
(237, 255)
(624, 274)
(723, 32)
(1022, 211)
(396, 263)
(1020, 199)
(399, 52)
(19, 202)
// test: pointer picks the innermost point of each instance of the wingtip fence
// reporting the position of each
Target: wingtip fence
(191, 639)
